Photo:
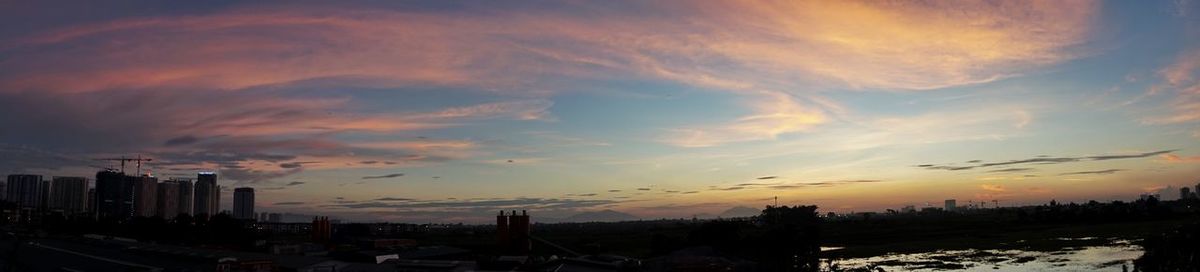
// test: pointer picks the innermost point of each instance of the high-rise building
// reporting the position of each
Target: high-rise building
(114, 195)
(951, 205)
(1185, 193)
(322, 230)
(69, 194)
(207, 196)
(91, 201)
(262, 217)
(512, 233)
(145, 196)
(185, 196)
(243, 203)
(274, 218)
(168, 199)
(27, 191)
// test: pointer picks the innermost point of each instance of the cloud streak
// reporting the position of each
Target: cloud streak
(792, 185)
(1097, 172)
(1041, 161)
(765, 42)
(388, 176)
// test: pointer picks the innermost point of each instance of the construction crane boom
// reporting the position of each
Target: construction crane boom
(123, 159)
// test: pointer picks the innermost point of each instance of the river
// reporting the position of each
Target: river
(1108, 257)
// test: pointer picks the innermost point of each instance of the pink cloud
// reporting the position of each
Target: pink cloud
(1180, 76)
(727, 46)
(202, 75)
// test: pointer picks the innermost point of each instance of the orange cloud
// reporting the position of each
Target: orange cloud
(993, 188)
(778, 114)
(901, 45)
(1172, 158)
(993, 192)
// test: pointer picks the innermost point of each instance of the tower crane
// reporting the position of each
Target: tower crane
(123, 159)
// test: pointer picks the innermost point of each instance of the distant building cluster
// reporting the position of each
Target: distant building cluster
(1184, 193)
(117, 196)
(1188, 193)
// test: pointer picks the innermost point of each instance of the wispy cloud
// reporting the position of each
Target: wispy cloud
(1131, 156)
(791, 185)
(1040, 160)
(776, 114)
(762, 43)
(1006, 170)
(1097, 172)
(395, 175)
(1180, 76)
(993, 188)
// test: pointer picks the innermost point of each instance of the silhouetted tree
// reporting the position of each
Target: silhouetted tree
(1178, 250)
(791, 239)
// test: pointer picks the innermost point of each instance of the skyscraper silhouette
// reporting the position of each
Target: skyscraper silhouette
(207, 197)
(185, 196)
(243, 203)
(27, 191)
(512, 233)
(114, 195)
(69, 194)
(168, 199)
(145, 195)
(322, 231)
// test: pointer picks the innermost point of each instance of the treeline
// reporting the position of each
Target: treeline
(781, 238)
(1116, 211)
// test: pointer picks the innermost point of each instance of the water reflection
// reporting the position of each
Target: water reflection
(1109, 257)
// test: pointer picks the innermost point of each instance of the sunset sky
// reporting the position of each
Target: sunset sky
(447, 111)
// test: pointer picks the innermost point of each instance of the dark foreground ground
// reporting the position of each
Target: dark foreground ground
(857, 238)
(750, 243)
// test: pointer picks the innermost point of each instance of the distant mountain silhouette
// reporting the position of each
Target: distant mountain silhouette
(740, 211)
(601, 216)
